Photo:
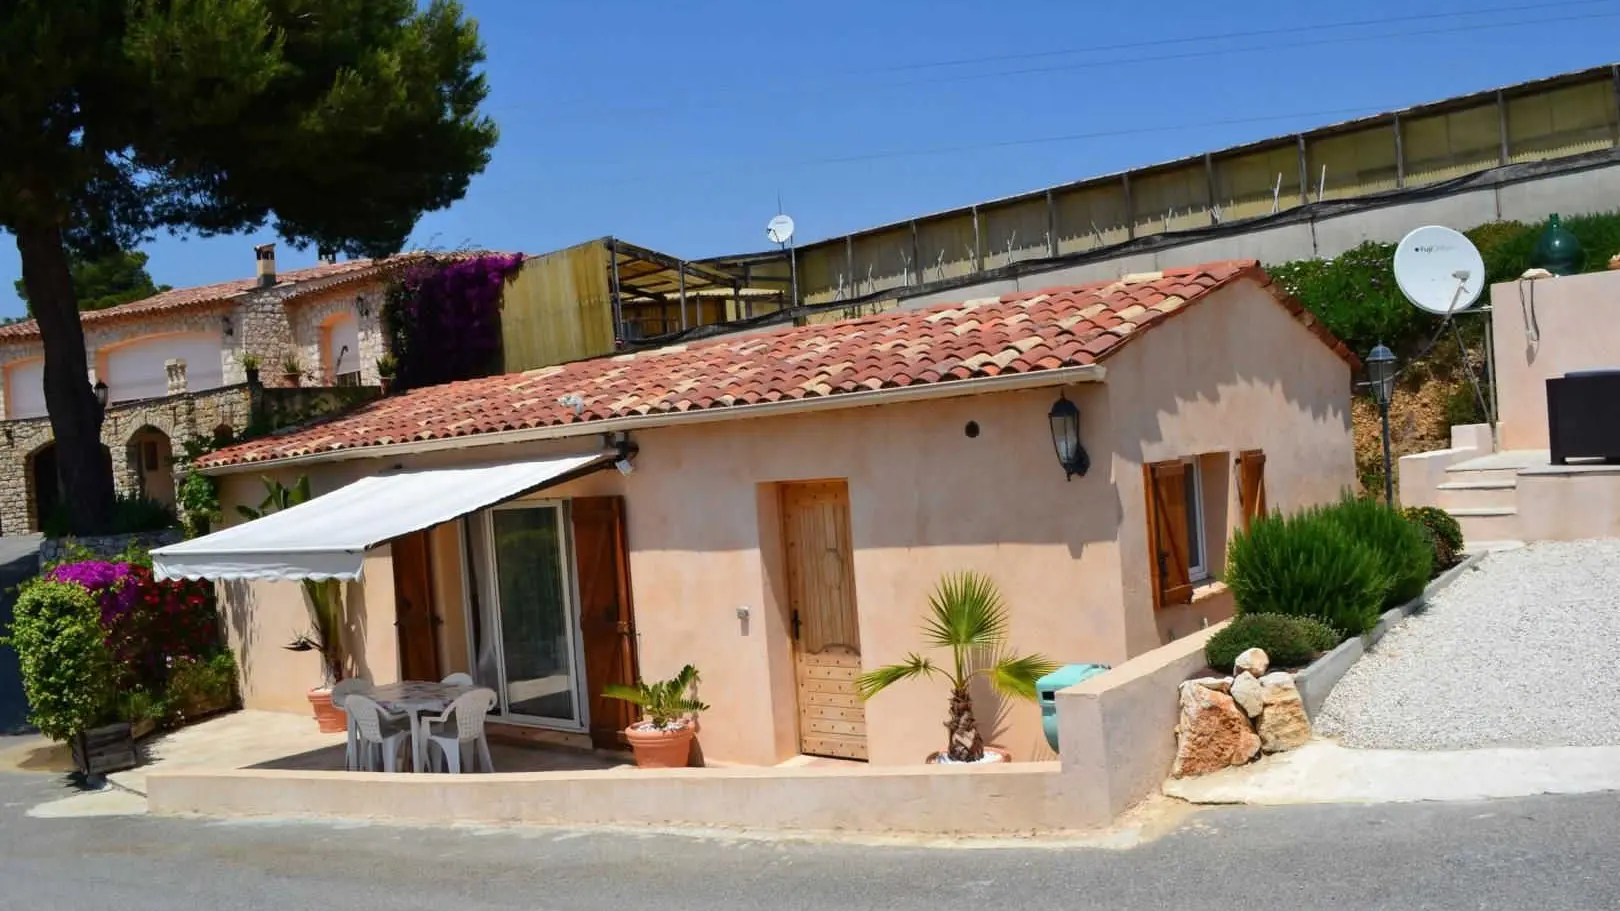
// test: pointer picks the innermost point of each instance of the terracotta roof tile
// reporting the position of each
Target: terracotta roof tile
(1018, 333)
(205, 297)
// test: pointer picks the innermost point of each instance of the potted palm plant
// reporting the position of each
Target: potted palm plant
(292, 370)
(387, 369)
(663, 739)
(325, 611)
(967, 616)
(250, 367)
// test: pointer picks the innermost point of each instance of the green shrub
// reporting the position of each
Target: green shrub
(66, 669)
(1441, 531)
(133, 513)
(198, 687)
(1405, 558)
(1305, 565)
(1287, 641)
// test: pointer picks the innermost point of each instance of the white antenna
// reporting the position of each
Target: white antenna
(1439, 270)
(780, 232)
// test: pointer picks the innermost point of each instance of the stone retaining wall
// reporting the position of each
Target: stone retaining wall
(105, 547)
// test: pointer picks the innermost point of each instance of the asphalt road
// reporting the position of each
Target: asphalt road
(1546, 853)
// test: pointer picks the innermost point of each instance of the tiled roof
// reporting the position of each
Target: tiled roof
(1019, 333)
(202, 297)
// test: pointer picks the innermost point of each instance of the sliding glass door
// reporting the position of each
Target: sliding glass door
(530, 635)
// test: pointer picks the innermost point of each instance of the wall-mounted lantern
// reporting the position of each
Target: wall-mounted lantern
(1065, 420)
(225, 324)
(101, 401)
(362, 306)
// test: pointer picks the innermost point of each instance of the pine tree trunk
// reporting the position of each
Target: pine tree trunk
(966, 744)
(76, 417)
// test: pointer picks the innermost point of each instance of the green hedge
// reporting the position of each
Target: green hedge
(1287, 641)
(1441, 531)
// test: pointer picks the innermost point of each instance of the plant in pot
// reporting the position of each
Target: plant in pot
(968, 617)
(325, 598)
(250, 366)
(292, 370)
(387, 369)
(663, 738)
(67, 674)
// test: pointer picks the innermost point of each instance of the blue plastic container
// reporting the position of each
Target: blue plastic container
(1046, 690)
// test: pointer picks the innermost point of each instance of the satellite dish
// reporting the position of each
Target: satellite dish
(1439, 270)
(780, 230)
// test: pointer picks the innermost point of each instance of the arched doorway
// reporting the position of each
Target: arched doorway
(151, 464)
(45, 480)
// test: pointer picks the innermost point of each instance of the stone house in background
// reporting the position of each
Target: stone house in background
(173, 366)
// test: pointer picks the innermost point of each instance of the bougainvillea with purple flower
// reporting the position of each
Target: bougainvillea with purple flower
(443, 318)
(147, 622)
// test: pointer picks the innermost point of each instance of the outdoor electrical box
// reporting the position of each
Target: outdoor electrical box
(1046, 690)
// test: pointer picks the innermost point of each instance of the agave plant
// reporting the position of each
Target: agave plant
(968, 617)
(666, 703)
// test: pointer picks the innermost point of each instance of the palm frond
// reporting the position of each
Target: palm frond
(967, 613)
(876, 681)
(1016, 675)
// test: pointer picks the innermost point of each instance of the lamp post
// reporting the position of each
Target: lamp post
(1065, 421)
(1381, 379)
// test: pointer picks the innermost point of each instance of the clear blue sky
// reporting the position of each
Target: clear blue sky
(676, 125)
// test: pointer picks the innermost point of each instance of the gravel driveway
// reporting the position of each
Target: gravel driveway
(1522, 651)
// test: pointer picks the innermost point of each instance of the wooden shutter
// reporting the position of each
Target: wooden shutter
(1252, 484)
(1167, 532)
(606, 620)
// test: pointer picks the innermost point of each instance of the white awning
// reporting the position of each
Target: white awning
(327, 537)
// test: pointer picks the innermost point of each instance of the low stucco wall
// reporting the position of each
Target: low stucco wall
(1556, 504)
(1008, 799)
(1578, 318)
(1116, 731)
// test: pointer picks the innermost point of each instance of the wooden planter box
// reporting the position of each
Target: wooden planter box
(105, 749)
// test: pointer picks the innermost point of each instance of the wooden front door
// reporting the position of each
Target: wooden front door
(826, 632)
(414, 616)
(606, 620)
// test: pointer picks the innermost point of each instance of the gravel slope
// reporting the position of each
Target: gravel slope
(1522, 651)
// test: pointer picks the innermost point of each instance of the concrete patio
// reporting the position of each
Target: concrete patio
(278, 740)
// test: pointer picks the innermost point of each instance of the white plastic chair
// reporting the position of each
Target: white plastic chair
(341, 692)
(468, 712)
(458, 679)
(373, 727)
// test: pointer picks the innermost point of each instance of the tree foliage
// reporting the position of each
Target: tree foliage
(106, 281)
(339, 122)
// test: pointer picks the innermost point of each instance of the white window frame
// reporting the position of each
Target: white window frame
(489, 585)
(1196, 572)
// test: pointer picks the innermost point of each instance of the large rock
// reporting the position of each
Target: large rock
(1252, 660)
(1222, 684)
(1213, 733)
(1283, 724)
(1246, 692)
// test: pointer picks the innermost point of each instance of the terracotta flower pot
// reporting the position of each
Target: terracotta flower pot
(667, 749)
(992, 755)
(329, 717)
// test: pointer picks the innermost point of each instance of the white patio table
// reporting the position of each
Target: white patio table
(415, 698)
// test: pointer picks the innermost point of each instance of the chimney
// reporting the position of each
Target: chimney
(327, 255)
(266, 255)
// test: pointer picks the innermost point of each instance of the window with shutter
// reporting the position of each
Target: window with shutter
(1168, 484)
(1251, 465)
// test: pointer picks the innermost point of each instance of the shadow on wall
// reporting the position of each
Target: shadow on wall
(237, 600)
(353, 622)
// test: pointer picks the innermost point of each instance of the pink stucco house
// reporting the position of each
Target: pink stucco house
(775, 507)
